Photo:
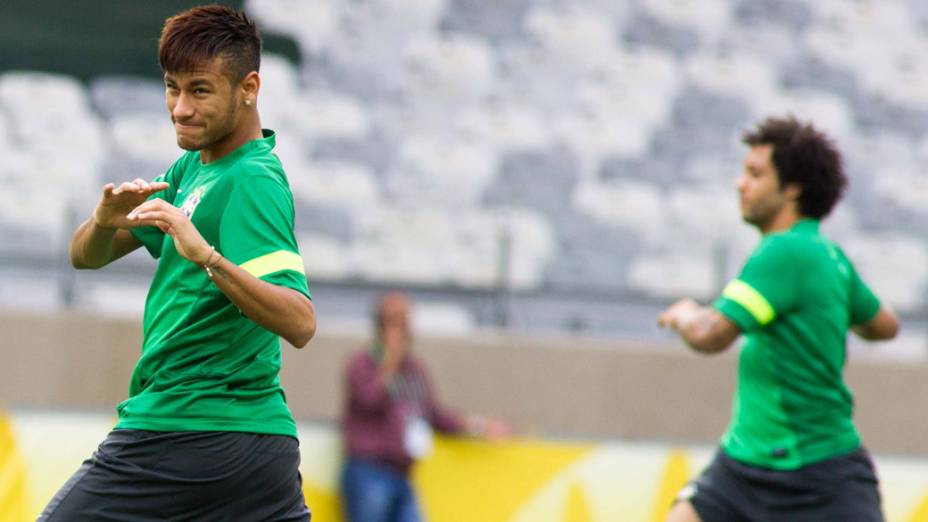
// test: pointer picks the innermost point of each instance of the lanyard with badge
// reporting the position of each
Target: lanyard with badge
(410, 391)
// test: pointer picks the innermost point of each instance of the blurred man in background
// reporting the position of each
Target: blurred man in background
(791, 451)
(205, 433)
(391, 413)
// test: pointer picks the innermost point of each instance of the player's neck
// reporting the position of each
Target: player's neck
(249, 130)
(783, 220)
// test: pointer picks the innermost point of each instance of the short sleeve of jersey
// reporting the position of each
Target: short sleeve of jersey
(864, 304)
(256, 232)
(767, 287)
(152, 238)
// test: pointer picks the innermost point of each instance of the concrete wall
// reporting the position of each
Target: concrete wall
(545, 386)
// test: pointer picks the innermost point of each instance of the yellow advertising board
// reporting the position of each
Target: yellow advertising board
(522, 480)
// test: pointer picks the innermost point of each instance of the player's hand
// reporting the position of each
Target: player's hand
(488, 428)
(172, 221)
(116, 202)
(678, 313)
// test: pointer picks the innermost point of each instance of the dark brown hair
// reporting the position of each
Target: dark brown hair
(805, 156)
(195, 37)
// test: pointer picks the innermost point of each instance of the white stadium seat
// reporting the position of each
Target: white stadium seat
(449, 69)
(894, 265)
(733, 74)
(146, 137)
(670, 275)
(312, 24)
(441, 172)
(623, 202)
(334, 182)
(325, 258)
(505, 125)
(319, 113)
(708, 18)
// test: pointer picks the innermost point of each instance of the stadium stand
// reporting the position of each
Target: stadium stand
(548, 151)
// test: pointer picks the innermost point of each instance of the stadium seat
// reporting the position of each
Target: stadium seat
(505, 126)
(113, 96)
(440, 172)
(335, 182)
(25, 94)
(146, 137)
(495, 22)
(831, 113)
(732, 74)
(448, 70)
(794, 16)
(319, 113)
(895, 265)
(280, 85)
(543, 180)
(708, 18)
(594, 135)
(403, 244)
(575, 35)
(674, 274)
(629, 203)
(312, 24)
(325, 258)
(634, 88)
(322, 219)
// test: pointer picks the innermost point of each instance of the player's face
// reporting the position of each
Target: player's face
(761, 196)
(203, 104)
(396, 331)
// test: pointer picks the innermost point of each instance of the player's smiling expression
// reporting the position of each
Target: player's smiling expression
(203, 105)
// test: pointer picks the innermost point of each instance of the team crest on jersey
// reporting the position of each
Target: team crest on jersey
(190, 204)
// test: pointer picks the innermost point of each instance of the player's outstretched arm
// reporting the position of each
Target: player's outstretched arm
(703, 328)
(282, 310)
(103, 237)
(885, 325)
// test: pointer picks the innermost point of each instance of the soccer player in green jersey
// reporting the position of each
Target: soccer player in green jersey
(791, 451)
(206, 433)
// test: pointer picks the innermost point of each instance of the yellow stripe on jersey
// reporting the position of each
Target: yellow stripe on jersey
(752, 301)
(274, 262)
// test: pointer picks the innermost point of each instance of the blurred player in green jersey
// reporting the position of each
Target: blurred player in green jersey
(791, 451)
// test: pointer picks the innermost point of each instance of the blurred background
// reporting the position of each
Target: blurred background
(542, 176)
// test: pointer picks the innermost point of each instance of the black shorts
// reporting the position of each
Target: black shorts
(842, 488)
(142, 475)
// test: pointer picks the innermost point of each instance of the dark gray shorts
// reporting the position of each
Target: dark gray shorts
(842, 488)
(138, 475)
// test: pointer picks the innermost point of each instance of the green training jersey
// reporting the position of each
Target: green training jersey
(204, 365)
(795, 300)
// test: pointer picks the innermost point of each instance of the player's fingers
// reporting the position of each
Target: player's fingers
(127, 186)
(108, 189)
(141, 183)
(662, 320)
(141, 209)
(152, 209)
(150, 217)
(154, 203)
(154, 188)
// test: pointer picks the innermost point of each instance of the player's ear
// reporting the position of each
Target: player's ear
(250, 86)
(792, 191)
